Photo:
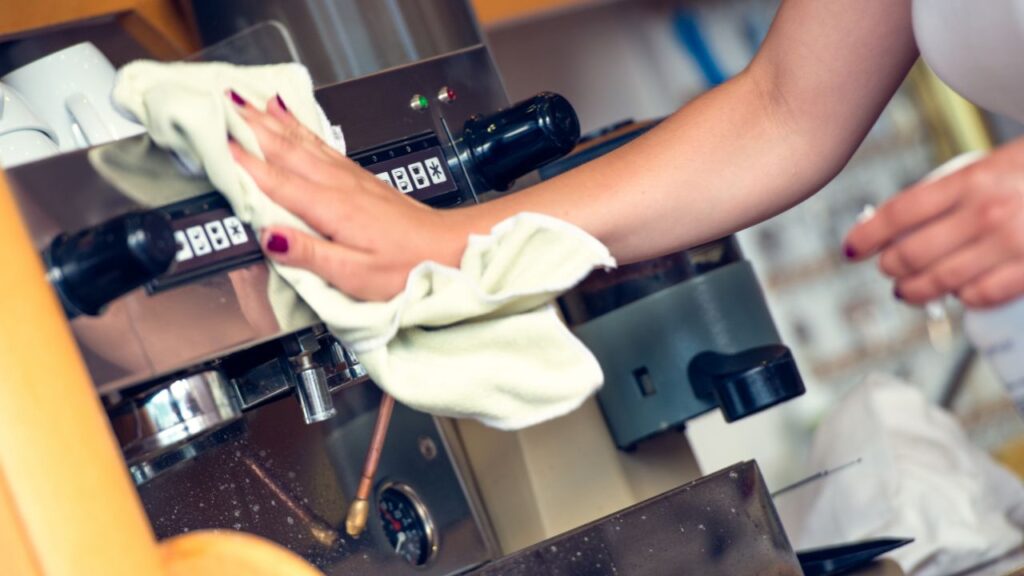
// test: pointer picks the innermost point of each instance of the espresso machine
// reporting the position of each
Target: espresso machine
(229, 420)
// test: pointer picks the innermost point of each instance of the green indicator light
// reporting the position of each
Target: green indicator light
(419, 102)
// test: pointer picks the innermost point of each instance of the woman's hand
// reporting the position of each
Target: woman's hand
(373, 235)
(961, 235)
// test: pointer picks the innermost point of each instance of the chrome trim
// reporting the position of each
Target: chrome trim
(180, 411)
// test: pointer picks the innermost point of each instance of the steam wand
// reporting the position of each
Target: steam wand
(359, 510)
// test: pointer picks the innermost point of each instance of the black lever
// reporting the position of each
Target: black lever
(748, 382)
(92, 267)
(520, 139)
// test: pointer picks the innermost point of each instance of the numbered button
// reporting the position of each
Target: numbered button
(402, 180)
(236, 231)
(184, 250)
(218, 237)
(197, 238)
(435, 170)
(419, 175)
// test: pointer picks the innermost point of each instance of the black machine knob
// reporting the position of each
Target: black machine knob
(520, 139)
(92, 267)
(750, 381)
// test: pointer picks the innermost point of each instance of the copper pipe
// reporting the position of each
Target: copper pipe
(359, 510)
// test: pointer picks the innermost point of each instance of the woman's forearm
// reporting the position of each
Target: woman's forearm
(744, 151)
(705, 171)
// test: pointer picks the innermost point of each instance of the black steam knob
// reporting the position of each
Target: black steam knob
(520, 139)
(92, 267)
(750, 381)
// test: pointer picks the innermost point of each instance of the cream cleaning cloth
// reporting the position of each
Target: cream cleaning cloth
(481, 341)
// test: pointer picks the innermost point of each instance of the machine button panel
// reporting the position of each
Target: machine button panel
(417, 167)
(211, 239)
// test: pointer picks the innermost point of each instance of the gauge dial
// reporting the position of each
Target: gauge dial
(406, 523)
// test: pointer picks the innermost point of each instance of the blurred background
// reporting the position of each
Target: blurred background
(641, 59)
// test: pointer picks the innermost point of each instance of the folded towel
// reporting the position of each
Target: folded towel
(482, 341)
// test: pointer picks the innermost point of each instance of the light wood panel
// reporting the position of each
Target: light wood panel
(71, 492)
(67, 504)
(492, 12)
(164, 16)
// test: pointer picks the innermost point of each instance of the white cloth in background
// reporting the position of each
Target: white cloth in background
(482, 341)
(920, 478)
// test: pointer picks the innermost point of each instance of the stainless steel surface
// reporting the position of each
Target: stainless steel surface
(355, 368)
(342, 39)
(144, 337)
(180, 411)
(290, 482)
(311, 384)
(268, 472)
(720, 525)
(259, 45)
(265, 382)
(314, 397)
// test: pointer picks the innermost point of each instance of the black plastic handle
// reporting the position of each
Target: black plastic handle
(92, 267)
(520, 139)
(750, 381)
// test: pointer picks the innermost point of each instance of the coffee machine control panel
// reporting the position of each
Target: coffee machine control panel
(209, 238)
(416, 166)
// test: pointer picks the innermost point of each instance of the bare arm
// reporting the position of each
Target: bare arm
(747, 150)
(739, 154)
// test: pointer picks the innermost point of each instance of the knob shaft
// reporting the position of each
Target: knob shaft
(92, 267)
(520, 139)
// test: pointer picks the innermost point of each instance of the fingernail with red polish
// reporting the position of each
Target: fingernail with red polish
(280, 102)
(895, 291)
(237, 98)
(850, 252)
(277, 244)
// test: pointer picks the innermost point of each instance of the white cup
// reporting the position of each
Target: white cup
(24, 146)
(23, 136)
(70, 89)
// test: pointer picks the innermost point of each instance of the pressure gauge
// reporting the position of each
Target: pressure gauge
(407, 523)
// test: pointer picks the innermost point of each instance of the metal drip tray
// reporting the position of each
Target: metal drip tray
(722, 525)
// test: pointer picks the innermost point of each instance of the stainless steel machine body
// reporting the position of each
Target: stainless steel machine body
(230, 420)
(206, 310)
(343, 39)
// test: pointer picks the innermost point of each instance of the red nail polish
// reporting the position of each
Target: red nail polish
(895, 291)
(280, 102)
(237, 98)
(850, 252)
(277, 244)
